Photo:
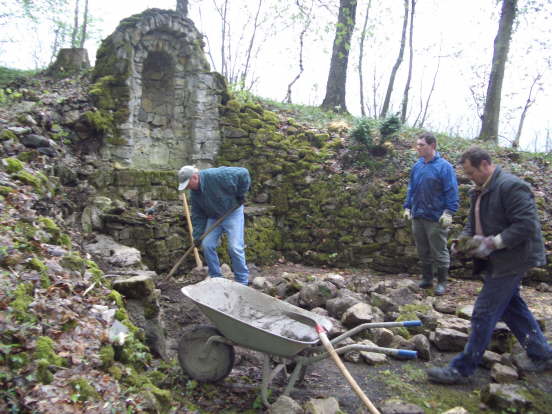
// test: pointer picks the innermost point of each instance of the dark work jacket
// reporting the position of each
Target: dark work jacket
(508, 208)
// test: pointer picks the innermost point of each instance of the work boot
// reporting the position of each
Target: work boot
(442, 276)
(427, 277)
(446, 375)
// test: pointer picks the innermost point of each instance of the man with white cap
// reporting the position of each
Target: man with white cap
(214, 192)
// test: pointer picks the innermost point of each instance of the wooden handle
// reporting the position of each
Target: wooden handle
(327, 344)
(190, 229)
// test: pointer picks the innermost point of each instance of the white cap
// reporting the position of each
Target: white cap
(184, 176)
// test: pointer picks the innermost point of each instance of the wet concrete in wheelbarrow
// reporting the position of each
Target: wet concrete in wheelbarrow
(402, 379)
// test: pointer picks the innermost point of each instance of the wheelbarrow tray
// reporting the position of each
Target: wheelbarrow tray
(252, 319)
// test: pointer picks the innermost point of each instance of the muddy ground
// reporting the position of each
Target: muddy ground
(239, 392)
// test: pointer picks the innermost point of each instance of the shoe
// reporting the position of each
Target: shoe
(439, 290)
(526, 364)
(446, 375)
(425, 284)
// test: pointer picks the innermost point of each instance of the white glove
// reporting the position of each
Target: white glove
(407, 215)
(445, 220)
(485, 248)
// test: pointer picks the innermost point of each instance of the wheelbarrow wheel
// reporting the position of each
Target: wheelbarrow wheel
(201, 361)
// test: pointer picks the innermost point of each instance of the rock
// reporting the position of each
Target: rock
(501, 341)
(455, 323)
(285, 405)
(510, 397)
(261, 283)
(343, 301)
(503, 373)
(322, 406)
(395, 406)
(35, 141)
(337, 280)
(373, 358)
(383, 302)
(359, 314)
(317, 293)
(382, 337)
(113, 253)
(136, 287)
(422, 345)
(445, 306)
(450, 340)
(457, 410)
(465, 312)
(490, 358)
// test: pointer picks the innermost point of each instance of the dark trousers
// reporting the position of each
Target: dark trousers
(500, 300)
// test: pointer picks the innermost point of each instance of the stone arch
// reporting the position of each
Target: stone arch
(155, 61)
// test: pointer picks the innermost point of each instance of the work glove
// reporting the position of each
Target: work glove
(240, 199)
(486, 245)
(197, 243)
(407, 215)
(445, 220)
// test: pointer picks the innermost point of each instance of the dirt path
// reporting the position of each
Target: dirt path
(404, 379)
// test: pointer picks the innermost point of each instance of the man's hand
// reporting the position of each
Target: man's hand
(240, 199)
(486, 245)
(197, 243)
(407, 215)
(445, 220)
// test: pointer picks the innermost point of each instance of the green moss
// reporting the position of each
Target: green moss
(101, 121)
(12, 165)
(4, 190)
(107, 355)
(29, 179)
(22, 299)
(43, 373)
(74, 261)
(116, 372)
(6, 135)
(117, 298)
(45, 351)
(84, 391)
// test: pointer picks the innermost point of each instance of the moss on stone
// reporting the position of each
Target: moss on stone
(6, 135)
(28, 178)
(44, 350)
(12, 165)
(107, 355)
(43, 373)
(83, 390)
(74, 261)
(20, 304)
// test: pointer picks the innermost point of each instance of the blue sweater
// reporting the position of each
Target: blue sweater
(218, 191)
(432, 189)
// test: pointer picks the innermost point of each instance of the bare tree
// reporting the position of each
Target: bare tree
(75, 25)
(491, 112)
(410, 59)
(337, 77)
(424, 106)
(249, 51)
(398, 62)
(84, 25)
(305, 15)
(361, 57)
(530, 101)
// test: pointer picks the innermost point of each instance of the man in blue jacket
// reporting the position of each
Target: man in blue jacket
(215, 191)
(506, 241)
(431, 200)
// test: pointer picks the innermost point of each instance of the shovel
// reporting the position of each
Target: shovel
(192, 247)
(190, 229)
(327, 344)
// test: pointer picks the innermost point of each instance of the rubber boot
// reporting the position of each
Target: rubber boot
(442, 276)
(427, 276)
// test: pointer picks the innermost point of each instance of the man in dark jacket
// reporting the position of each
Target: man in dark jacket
(216, 191)
(431, 200)
(506, 241)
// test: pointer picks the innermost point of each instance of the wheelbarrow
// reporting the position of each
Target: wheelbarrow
(251, 319)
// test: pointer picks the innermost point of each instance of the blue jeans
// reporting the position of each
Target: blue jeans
(233, 226)
(500, 299)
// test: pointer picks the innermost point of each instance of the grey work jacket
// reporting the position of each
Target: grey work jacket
(508, 208)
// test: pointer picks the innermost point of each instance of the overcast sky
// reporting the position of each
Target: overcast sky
(461, 32)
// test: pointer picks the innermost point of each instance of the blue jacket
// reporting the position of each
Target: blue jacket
(432, 189)
(218, 191)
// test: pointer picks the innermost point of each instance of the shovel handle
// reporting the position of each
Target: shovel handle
(190, 228)
(327, 344)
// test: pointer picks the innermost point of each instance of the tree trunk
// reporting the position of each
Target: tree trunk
(182, 7)
(337, 77)
(84, 24)
(75, 25)
(491, 112)
(361, 57)
(245, 70)
(387, 99)
(528, 103)
(410, 59)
